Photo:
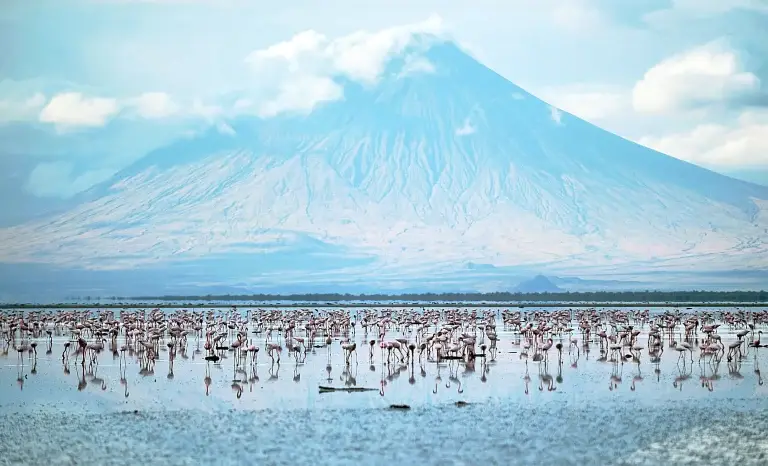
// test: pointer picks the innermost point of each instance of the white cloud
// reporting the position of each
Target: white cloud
(301, 94)
(152, 105)
(74, 109)
(706, 75)
(556, 115)
(687, 9)
(293, 75)
(742, 143)
(716, 7)
(242, 104)
(466, 129)
(591, 103)
(296, 51)
(609, 106)
(21, 110)
(576, 15)
(416, 65)
(206, 111)
(297, 74)
(363, 55)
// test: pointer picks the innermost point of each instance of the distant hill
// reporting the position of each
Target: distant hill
(538, 284)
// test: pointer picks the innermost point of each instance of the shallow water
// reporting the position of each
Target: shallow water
(595, 412)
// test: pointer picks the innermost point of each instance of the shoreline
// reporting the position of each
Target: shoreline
(356, 305)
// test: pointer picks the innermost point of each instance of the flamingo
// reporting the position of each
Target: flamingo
(349, 348)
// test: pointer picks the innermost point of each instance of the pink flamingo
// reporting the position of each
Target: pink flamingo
(274, 348)
(546, 349)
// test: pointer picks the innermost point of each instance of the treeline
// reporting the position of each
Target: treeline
(583, 296)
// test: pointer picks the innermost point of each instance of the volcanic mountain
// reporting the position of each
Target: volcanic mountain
(404, 182)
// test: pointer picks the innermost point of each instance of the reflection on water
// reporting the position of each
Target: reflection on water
(289, 360)
(467, 344)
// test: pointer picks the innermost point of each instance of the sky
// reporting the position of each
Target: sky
(89, 86)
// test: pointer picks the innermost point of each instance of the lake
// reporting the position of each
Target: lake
(182, 409)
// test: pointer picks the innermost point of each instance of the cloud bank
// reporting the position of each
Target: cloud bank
(707, 75)
(299, 73)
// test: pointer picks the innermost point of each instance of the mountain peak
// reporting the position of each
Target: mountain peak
(435, 59)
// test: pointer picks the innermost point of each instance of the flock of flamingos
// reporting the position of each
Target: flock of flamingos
(394, 339)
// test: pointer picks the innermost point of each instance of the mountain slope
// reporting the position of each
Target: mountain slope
(415, 176)
(538, 284)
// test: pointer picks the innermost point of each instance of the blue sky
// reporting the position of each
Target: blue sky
(88, 86)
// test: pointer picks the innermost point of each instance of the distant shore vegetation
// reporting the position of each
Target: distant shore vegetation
(496, 298)
(566, 296)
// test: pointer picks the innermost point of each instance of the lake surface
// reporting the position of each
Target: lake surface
(185, 410)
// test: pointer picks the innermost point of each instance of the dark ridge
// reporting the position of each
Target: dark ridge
(502, 296)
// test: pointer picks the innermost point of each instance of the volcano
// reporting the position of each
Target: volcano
(398, 184)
